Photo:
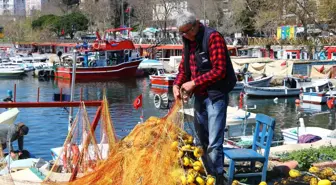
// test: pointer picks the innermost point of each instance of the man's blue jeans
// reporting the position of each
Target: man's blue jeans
(210, 120)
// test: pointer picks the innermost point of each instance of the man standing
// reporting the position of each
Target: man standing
(205, 71)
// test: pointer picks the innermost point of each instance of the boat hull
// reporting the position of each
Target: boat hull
(124, 70)
(9, 116)
(284, 91)
(162, 81)
(263, 82)
(314, 97)
(271, 92)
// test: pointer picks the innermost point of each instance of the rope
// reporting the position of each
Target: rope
(188, 123)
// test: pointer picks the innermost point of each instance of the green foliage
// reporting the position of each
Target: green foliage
(307, 157)
(71, 23)
(45, 20)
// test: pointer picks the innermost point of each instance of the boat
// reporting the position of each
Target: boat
(292, 87)
(162, 79)
(150, 66)
(262, 81)
(113, 58)
(11, 71)
(315, 97)
(238, 121)
(291, 135)
(9, 116)
(44, 72)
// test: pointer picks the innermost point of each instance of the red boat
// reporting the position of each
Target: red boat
(162, 80)
(112, 59)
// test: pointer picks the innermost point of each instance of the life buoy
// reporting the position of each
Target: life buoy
(71, 157)
(96, 46)
(157, 101)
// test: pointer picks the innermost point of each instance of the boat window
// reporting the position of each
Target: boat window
(115, 57)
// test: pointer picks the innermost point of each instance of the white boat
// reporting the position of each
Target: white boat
(7, 72)
(315, 97)
(292, 87)
(19, 62)
(235, 116)
(44, 72)
(171, 64)
(9, 116)
(103, 148)
(291, 135)
(262, 81)
(150, 66)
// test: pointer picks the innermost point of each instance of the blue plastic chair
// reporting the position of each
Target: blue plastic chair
(261, 139)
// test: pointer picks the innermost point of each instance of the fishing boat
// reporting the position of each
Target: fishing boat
(114, 58)
(262, 81)
(162, 79)
(292, 87)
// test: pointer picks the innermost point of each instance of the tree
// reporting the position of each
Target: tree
(98, 13)
(142, 13)
(73, 22)
(17, 29)
(164, 12)
(268, 17)
(60, 7)
(327, 13)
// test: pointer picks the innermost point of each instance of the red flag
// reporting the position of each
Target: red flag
(321, 69)
(138, 102)
(330, 103)
(62, 32)
(128, 9)
(284, 63)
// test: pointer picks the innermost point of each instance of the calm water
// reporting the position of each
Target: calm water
(48, 126)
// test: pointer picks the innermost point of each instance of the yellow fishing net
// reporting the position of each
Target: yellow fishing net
(157, 151)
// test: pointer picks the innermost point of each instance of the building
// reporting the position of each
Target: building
(13, 7)
(34, 5)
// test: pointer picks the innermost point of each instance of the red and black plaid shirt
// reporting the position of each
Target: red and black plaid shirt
(217, 58)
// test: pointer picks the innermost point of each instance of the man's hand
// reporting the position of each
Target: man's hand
(176, 91)
(188, 87)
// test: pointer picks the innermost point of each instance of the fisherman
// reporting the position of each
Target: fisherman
(206, 72)
(10, 133)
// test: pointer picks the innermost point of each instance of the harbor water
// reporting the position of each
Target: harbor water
(49, 126)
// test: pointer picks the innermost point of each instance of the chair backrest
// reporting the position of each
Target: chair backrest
(263, 134)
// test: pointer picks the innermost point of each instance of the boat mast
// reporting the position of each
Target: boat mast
(73, 79)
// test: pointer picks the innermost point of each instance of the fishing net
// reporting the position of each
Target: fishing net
(80, 152)
(157, 151)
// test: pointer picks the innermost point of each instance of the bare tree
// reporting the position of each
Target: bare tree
(15, 30)
(268, 17)
(143, 13)
(57, 7)
(98, 13)
(164, 12)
